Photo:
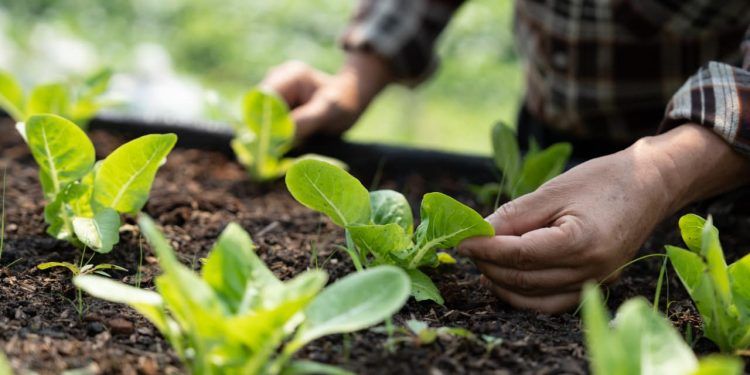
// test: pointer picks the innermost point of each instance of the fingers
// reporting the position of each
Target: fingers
(535, 283)
(549, 304)
(294, 81)
(529, 212)
(550, 247)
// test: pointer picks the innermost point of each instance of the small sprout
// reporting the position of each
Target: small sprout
(521, 174)
(420, 333)
(85, 199)
(379, 224)
(78, 102)
(265, 135)
(721, 293)
(236, 317)
(641, 341)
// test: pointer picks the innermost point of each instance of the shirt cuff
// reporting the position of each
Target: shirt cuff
(402, 32)
(717, 97)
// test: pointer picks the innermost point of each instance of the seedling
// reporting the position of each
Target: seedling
(265, 135)
(81, 269)
(85, 200)
(238, 318)
(421, 333)
(379, 224)
(521, 174)
(5, 368)
(77, 102)
(641, 341)
(721, 293)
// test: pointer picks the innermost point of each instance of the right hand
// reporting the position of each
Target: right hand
(328, 104)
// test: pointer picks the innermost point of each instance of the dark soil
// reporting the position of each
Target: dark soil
(197, 193)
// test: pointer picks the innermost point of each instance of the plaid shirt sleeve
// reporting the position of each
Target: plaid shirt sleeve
(401, 31)
(718, 97)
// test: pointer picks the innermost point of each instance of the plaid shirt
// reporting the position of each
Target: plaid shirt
(597, 69)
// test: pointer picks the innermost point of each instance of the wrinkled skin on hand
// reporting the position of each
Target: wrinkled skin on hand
(586, 223)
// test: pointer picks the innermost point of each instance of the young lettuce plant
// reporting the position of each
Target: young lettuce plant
(641, 341)
(379, 224)
(78, 102)
(721, 293)
(265, 135)
(84, 198)
(521, 174)
(238, 318)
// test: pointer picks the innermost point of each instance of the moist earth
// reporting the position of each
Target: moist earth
(197, 193)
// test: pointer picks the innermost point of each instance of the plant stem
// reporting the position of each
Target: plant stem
(659, 283)
(138, 274)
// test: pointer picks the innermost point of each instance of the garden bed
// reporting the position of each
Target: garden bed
(198, 192)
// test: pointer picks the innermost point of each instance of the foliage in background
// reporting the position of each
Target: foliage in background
(229, 44)
(379, 224)
(84, 199)
(5, 368)
(521, 174)
(238, 318)
(641, 341)
(720, 292)
(77, 102)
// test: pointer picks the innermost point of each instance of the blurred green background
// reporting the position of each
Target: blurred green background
(178, 56)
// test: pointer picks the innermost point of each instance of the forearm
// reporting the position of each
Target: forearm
(364, 75)
(693, 163)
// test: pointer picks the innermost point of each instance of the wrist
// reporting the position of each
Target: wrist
(690, 163)
(367, 73)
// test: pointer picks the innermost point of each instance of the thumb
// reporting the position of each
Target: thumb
(524, 214)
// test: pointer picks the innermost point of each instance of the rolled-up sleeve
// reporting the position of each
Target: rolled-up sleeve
(718, 97)
(403, 32)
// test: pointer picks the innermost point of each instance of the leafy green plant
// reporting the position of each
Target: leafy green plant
(238, 318)
(379, 224)
(641, 341)
(721, 293)
(5, 368)
(521, 174)
(265, 135)
(84, 199)
(77, 102)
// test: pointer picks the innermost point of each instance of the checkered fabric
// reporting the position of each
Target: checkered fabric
(597, 69)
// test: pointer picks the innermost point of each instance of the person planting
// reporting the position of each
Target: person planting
(600, 75)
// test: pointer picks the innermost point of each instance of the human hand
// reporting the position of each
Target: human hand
(586, 223)
(328, 104)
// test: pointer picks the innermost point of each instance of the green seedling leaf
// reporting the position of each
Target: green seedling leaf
(422, 288)
(718, 291)
(267, 116)
(101, 232)
(5, 368)
(384, 242)
(124, 179)
(58, 219)
(236, 318)
(61, 149)
(11, 97)
(719, 365)
(52, 98)
(147, 303)
(330, 190)
(640, 342)
(70, 266)
(445, 223)
(302, 367)
(691, 228)
(265, 135)
(506, 153)
(388, 207)
(357, 301)
(541, 167)
(233, 266)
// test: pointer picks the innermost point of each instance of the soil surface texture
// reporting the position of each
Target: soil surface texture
(197, 193)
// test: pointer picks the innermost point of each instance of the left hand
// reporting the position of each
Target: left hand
(586, 223)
